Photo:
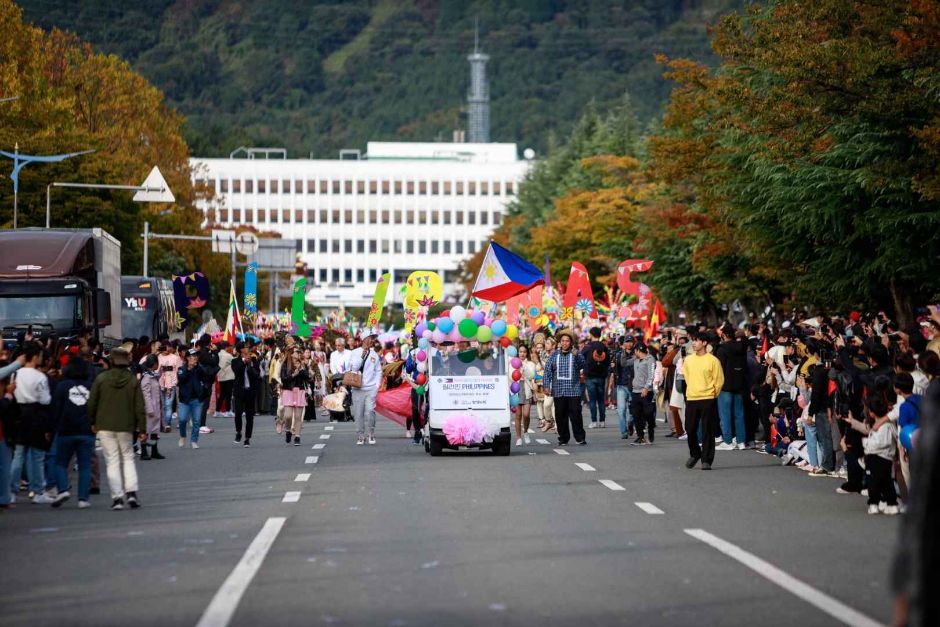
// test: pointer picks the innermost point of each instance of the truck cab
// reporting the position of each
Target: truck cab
(63, 282)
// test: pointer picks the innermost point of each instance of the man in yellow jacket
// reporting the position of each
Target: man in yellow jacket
(703, 381)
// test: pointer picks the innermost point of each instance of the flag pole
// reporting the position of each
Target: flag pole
(237, 313)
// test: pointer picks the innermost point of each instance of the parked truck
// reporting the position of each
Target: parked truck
(62, 282)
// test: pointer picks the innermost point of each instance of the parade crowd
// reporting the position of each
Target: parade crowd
(834, 396)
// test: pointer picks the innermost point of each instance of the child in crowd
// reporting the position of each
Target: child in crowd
(880, 449)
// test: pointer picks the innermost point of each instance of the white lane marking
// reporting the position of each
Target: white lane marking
(585, 467)
(613, 485)
(304, 476)
(328, 428)
(312, 459)
(824, 602)
(226, 600)
(291, 497)
(649, 508)
(319, 446)
(562, 451)
(325, 436)
(540, 441)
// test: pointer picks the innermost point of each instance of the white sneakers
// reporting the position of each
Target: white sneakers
(742, 446)
(194, 444)
(360, 441)
(371, 439)
(182, 442)
(884, 508)
(43, 499)
(84, 504)
(526, 439)
(725, 447)
(684, 436)
(873, 509)
(519, 442)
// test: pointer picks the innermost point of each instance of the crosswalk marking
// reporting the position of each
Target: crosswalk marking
(304, 476)
(319, 446)
(291, 497)
(562, 451)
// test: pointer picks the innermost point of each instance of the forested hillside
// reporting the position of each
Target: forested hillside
(319, 75)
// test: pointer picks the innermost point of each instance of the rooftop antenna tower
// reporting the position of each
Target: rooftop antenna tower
(478, 98)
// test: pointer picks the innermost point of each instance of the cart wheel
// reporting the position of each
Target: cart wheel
(435, 448)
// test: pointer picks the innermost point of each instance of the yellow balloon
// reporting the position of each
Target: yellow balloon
(512, 331)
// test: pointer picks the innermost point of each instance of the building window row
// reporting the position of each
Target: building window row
(359, 216)
(397, 246)
(360, 187)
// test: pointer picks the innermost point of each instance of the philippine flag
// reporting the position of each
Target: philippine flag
(504, 275)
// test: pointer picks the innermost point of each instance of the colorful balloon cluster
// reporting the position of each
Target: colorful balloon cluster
(460, 325)
(516, 386)
(422, 358)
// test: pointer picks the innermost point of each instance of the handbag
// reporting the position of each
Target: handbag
(354, 379)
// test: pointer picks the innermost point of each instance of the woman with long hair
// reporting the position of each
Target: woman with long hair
(294, 375)
(526, 396)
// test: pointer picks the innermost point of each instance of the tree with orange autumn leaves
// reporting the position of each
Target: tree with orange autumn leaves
(803, 170)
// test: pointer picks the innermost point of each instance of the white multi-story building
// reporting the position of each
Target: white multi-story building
(401, 208)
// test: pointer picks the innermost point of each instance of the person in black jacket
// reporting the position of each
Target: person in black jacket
(732, 353)
(75, 437)
(596, 368)
(191, 392)
(819, 409)
(209, 361)
(247, 386)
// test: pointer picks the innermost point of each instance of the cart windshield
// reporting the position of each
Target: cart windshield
(468, 362)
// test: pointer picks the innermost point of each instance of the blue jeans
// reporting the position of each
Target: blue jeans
(728, 401)
(168, 397)
(83, 447)
(809, 432)
(624, 417)
(6, 460)
(49, 464)
(190, 412)
(824, 440)
(33, 458)
(597, 398)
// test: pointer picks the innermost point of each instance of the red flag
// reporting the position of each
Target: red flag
(764, 347)
(579, 294)
(656, 319)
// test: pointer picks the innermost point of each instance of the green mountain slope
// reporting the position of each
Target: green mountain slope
(315, 76)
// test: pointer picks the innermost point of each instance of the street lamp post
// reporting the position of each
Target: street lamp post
(130, 188)
(19, 161)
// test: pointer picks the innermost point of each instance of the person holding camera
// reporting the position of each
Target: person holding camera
(245, 391)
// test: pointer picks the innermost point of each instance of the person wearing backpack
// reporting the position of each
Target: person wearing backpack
(596, 370)
(732, 354)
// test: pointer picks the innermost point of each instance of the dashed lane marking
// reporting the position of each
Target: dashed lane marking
(585, 467)
(291, 497)
(304, 476)
(612, 485)
(325, 436)
(649, 508)
(319, 446)
(328, 428)
(312, 459)
(562, 451)
(541, 441)
(226, 600)
(832, 607)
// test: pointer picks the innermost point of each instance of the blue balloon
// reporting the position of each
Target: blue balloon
(446, 325)
(498, 327)
(512, 351)
(907, 437)
(514, 400)
(423, 342)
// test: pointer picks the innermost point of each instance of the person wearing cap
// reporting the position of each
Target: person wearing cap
(562, 383)
(704, 379)
(366, 361)
(621, 384)
(115, 411)
(191, 392)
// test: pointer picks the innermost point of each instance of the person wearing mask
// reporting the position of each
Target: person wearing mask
(294, 376)
(642, 405)
(191, 392)
(732, 354)
(621, 384)
(226, 381)
(150, 387)
(170, 364)
(366, 361)
(247, 386)
(75, 437)
(562, 384)
(35, 431)
(115, 412)
(704, 380)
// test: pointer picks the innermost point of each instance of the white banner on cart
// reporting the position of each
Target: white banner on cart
(469, 392)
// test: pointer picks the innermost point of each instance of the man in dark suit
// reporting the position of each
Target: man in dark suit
(245, 391)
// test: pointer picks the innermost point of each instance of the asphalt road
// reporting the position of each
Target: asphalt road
(387, 535)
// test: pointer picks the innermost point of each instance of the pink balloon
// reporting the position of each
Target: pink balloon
(516, 363)
(438, 336)
(454, 336)
(422, 356)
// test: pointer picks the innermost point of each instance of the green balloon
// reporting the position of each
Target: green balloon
(484, 334)
(420, 390)
(431, 326)
(467, 328)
